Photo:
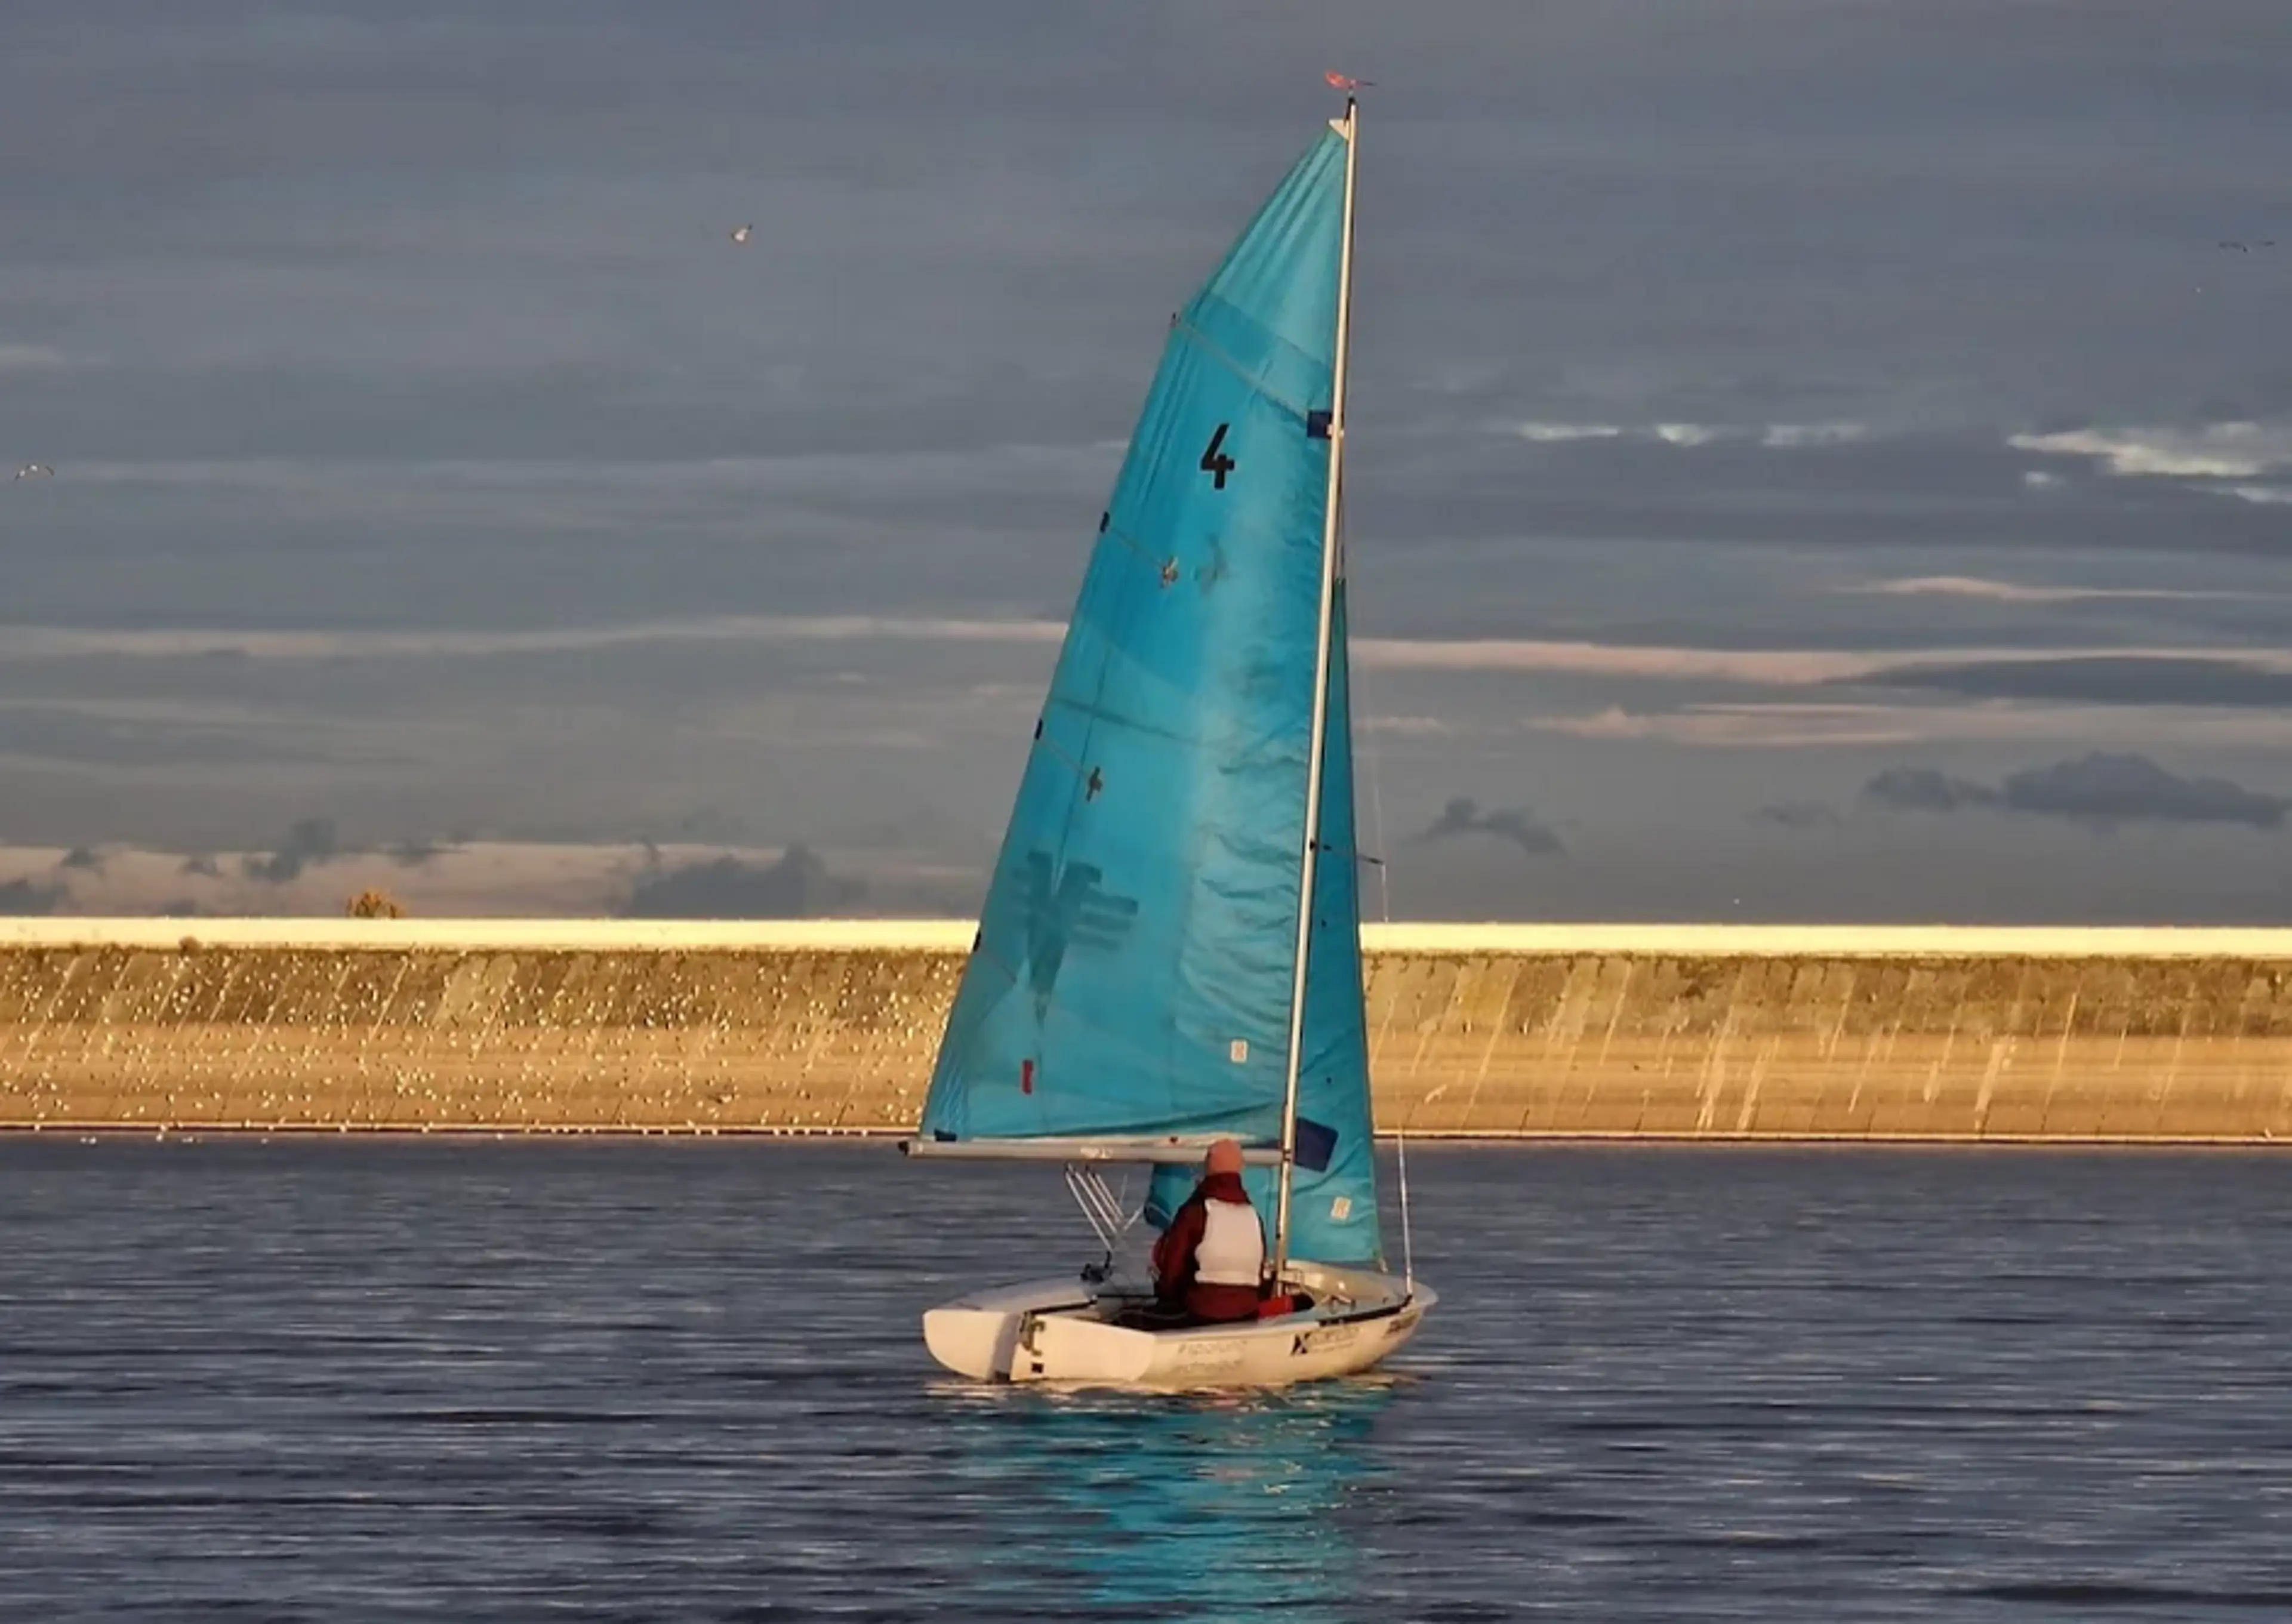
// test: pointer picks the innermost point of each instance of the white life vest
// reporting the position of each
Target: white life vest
(1232, 1248)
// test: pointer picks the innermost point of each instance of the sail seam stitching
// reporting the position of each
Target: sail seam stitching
(1131, 542)
(1056, 748)
(1217, 353)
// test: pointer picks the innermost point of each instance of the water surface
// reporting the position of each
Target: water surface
(345, 1379)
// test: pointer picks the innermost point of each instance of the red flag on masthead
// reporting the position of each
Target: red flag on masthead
(1338, 81)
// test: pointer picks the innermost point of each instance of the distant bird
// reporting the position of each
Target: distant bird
(740, 232)
(1338, 81)
(29, 469)
(2238, 247)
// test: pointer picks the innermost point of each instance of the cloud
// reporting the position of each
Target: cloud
(1687, 436)
(2111, 788)
(479, 324)
(2102, 789)
(1925, 789)
(1413, 727)
(1781, 668)
(512, 878)
(1792, 666)
(796, 885)
(28, 896)
(617, 487)
(1560, 434)
(2038, 478)
(20, 642)
(2098, 680)
(1463, 816)
(2260, 496)
(2014, 592)
(310, 841)
(98, 734)
(32, 357)
(1799, 815)
(1652, 662)
(84, 858)
(2217, 450)
(1750, 726)
(1790, 726)
(1800, 436)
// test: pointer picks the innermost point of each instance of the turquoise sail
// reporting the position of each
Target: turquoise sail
(1134, 966)
(1332, 1213)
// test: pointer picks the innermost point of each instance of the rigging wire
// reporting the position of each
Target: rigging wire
(1106, 1210)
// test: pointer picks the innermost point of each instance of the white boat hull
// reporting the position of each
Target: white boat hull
(1063, 1331)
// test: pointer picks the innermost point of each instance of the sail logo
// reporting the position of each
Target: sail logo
(1067, 908)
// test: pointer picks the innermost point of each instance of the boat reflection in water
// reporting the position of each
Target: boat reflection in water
(1199, 1504)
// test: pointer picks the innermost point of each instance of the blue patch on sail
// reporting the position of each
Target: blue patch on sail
(1137, 942)
(1315, 1145)
(1064, 908)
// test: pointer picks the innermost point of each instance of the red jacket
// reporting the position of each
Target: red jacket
(1173, 1258)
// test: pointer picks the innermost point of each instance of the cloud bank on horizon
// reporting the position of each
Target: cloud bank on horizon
(1738, 425)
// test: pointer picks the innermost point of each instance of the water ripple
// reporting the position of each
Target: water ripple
(467, 1381)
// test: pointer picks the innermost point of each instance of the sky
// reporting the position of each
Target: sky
(1810, 459)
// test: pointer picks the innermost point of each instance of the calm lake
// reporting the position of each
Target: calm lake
(351, 1380)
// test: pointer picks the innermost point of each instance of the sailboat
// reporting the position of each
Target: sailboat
(1169, 952)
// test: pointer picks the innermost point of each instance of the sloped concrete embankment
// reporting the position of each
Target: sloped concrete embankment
(1693, 1032)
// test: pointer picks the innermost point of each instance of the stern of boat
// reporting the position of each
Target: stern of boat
(979, 1335)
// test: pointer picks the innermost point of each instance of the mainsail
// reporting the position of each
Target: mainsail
(1136, 959)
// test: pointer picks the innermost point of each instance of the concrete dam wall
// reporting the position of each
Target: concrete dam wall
(1695, 1032)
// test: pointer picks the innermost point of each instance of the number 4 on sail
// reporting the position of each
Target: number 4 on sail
(1169, 953)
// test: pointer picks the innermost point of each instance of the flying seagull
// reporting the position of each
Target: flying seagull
(740, 232)
(29, 469)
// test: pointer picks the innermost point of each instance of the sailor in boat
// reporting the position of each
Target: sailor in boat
(1210, 1263)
